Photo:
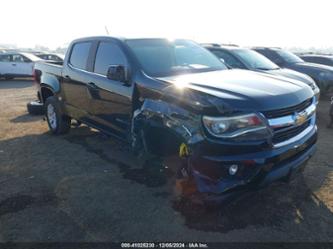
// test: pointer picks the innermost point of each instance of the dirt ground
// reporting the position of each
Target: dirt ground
(85, 186)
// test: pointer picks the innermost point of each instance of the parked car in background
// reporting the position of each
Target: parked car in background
(330, 125)
(233, 130)
(321, 74)
(244, 58)
(319, 59)
(17, 64)
(51, 57)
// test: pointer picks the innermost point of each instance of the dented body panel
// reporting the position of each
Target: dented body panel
(181, 108)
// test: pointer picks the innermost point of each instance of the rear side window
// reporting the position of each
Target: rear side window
(108, 54)
(5, 58)
(79, 55)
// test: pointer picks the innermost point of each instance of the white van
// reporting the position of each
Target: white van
(17, 64)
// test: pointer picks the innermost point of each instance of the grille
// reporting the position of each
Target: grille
(284, 134)
(289, 110)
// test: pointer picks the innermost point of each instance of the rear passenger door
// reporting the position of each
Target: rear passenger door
(21, 65)
(110, 100)
(75, 80)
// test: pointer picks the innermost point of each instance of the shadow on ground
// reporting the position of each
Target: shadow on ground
(26, 118)
(15, 84)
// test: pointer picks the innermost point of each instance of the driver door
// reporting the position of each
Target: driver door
(111, 101)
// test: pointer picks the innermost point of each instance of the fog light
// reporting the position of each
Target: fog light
(233, 169)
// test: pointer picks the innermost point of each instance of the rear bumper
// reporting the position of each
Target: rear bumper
(256, 170)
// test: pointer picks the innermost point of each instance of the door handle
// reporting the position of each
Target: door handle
(14, 64)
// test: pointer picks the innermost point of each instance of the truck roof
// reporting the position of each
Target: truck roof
(92, 38)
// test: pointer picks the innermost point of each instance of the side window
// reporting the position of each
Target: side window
(5, 58)
(18, 58)
(228, 58)
(108, 54)
(79, 55)
(25, 59)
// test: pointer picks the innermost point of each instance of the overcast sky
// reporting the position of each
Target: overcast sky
(285, 23)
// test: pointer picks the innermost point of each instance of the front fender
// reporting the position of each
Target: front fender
(164, 115)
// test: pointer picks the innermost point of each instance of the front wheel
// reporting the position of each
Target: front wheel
(58, 122)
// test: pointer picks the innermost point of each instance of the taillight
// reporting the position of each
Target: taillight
(36, 76)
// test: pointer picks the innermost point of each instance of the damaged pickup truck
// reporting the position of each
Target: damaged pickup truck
(235, 129)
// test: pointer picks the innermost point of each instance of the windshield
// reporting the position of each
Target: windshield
(254, 60)
(160, 57)
(288, 56)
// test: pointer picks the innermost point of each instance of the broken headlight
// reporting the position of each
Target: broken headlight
(249, 126)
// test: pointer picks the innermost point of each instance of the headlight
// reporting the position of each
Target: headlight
(250, 126)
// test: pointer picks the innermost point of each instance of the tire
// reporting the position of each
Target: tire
(35, 108)
(58, 122)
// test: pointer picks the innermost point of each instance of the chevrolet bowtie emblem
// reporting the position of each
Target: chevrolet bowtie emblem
(300, 118)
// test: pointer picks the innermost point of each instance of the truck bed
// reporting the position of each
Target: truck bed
(53, 68)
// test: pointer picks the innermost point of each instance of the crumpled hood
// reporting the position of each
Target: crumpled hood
(245, 90)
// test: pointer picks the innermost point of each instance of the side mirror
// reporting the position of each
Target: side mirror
(226, 64)
(118, 73)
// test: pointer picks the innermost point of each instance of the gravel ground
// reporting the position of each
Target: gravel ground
(85, 186)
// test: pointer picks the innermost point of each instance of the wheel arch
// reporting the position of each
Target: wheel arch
(162, 127)
(45, 92)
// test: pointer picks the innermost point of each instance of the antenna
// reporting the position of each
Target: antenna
(106, 30)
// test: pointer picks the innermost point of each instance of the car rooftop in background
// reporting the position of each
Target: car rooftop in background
(321, 74)
(244, 58)
(319, 59)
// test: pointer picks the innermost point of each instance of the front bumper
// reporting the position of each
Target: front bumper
(256, 169)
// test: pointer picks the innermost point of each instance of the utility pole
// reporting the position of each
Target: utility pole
(106, 30)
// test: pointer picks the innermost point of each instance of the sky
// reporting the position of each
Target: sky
(283, 23)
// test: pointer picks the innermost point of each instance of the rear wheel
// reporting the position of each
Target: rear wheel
(58, 122)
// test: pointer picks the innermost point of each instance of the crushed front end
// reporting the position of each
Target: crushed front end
(224, 166)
